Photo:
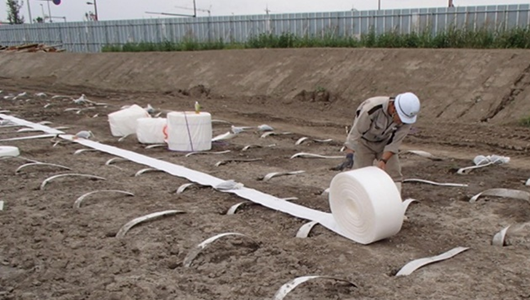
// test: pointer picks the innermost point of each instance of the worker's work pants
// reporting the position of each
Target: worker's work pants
(365, 156)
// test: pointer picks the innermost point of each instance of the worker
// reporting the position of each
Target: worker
(380, 125)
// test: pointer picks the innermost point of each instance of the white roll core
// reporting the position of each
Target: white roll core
(151, 130)
(189, 131)
(366, 205)
(9, 151)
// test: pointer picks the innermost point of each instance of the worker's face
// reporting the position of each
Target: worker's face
(395, 115)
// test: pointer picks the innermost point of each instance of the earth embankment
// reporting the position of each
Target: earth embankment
(454, 84)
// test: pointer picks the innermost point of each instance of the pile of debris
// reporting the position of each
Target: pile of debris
(30, 48)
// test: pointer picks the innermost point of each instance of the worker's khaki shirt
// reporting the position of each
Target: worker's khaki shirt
(375, 128)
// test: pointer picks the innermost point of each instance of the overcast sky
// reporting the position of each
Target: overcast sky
(74, 10)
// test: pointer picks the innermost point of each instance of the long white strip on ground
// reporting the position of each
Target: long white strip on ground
(365, 203)
(325, 219)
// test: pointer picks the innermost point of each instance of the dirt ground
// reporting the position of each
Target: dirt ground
(50, 250)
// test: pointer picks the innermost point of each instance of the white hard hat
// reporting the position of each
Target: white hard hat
(407, 106)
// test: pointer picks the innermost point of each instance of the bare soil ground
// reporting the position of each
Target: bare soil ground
(50, 250)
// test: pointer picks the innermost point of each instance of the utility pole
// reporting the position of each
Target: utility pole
(49, 11)
(43, 14)
(29, 12)
(96, 9)
(378, 4)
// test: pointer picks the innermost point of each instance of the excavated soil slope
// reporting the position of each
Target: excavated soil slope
(471, 102)
(470, 85)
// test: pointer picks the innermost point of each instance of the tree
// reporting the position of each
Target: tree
(13, 12)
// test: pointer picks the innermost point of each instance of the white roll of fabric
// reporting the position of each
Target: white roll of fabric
(189, 131)
(366, 205)
(9, 151)
(151, 130)
(124, 122)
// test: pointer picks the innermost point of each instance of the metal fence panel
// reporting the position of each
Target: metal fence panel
(92, 36)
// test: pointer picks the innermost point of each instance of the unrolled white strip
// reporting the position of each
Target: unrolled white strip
(305, 138)
(206, 152)
(424, 154)
(371, 179)
(291, 285)
(183, 187)
(408, 202)
(78, 201)
(126, 136)
(79, 151)
(435, 183)
(41, 164)
(146, 170)
(304, 230)
(224, 162)
(125, 228)
(32, 137)
(225, 136)
(498, 238)
(113, 160)
(467, 170)
(28, 130)
(418, 263)
(276, 174)
(155, 146)
(326, 219)
(266, 134)
(220, 122)
(45, 181)
(311, 155)
(197, 249)
(257, 146)
(509, 193)
(30, 124)
(232, 210)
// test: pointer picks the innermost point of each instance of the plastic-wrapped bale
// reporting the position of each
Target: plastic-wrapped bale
(151, 130)
(124, 122)
(189, 131)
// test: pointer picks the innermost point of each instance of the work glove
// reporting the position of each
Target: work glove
(346, 164)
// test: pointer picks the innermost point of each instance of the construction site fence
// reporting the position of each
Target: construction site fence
(92, 36)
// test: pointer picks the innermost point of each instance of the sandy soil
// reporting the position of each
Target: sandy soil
(50, 250)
